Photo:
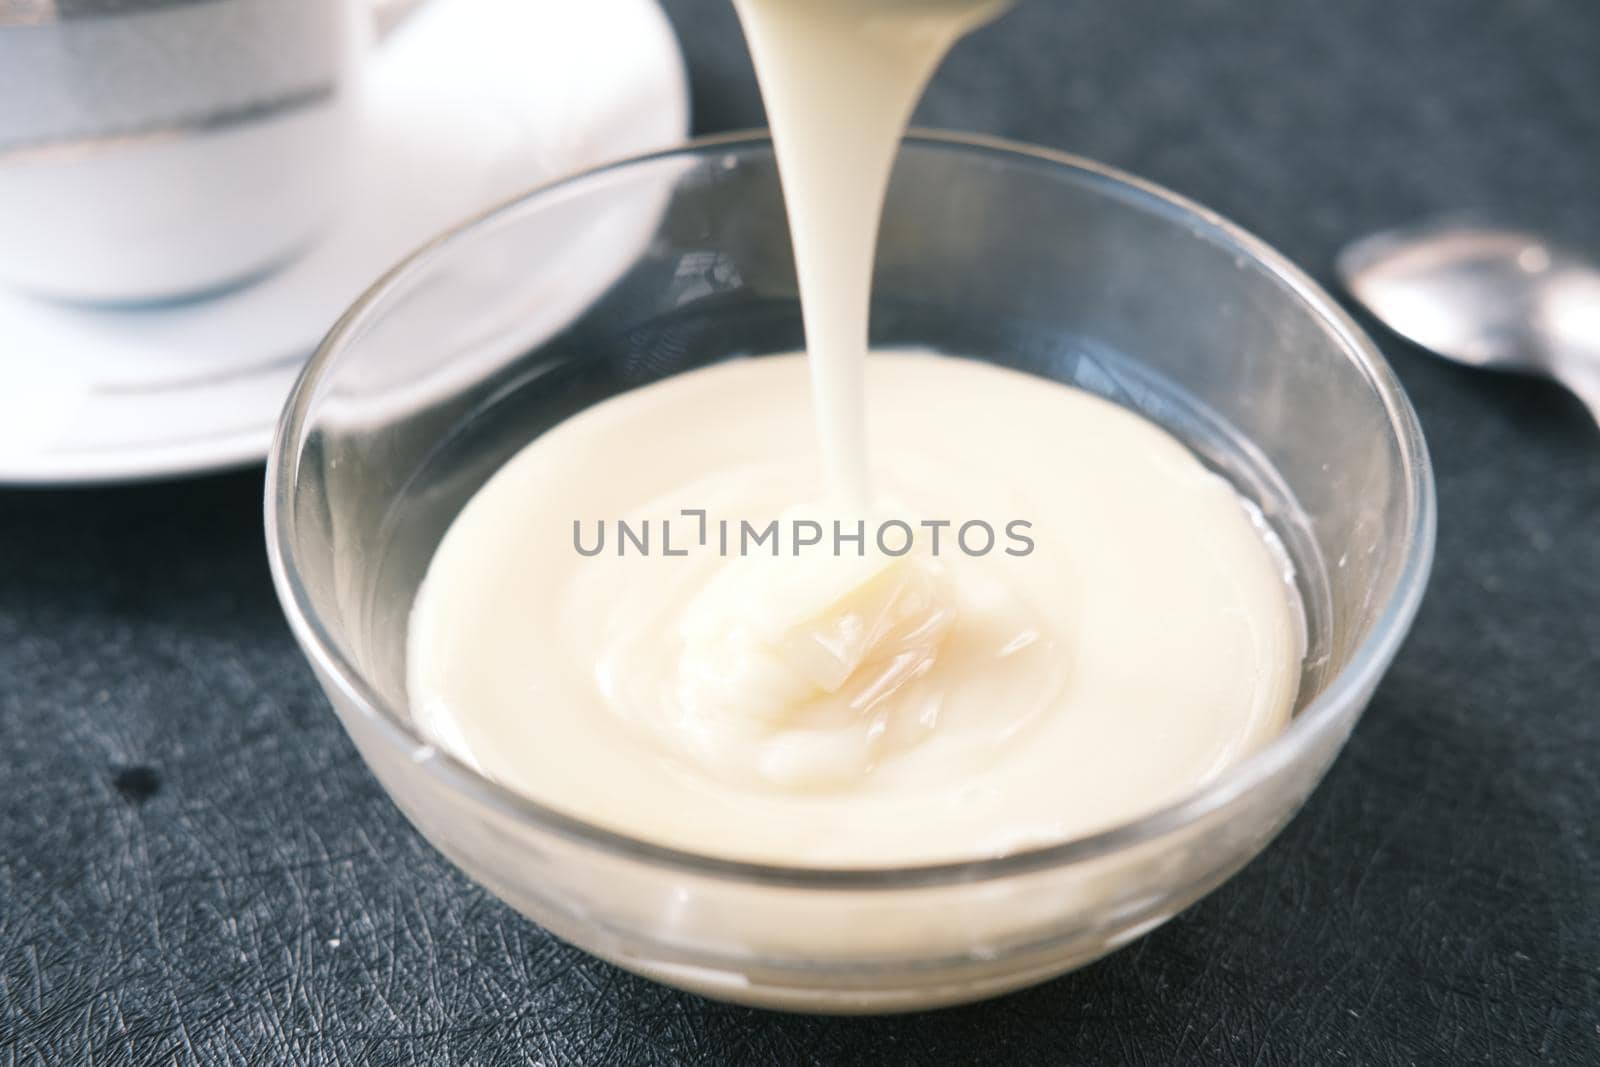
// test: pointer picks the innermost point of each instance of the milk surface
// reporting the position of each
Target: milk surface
(714, 700)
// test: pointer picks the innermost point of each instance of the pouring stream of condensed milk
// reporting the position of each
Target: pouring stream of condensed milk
(1070, 622)
(840, 79)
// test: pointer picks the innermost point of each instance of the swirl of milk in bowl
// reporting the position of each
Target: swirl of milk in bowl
(809, 668)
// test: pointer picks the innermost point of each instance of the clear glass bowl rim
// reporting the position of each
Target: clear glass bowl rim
(1323, 714)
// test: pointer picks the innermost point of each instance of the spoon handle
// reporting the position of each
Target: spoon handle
(1583, 378)
(1568, 318)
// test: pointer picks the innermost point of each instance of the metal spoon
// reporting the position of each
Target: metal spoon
(1486, 297)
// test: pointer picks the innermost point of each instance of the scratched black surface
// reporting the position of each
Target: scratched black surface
(196, 868)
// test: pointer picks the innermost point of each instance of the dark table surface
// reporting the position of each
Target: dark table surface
(195, 867)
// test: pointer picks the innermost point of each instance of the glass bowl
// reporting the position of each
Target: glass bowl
(629, 273)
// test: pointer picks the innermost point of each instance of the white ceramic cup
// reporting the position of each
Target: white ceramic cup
(158, 149)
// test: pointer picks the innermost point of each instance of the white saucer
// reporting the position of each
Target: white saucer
(470, 102)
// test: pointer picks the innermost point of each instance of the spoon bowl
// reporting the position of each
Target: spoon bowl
(1486, 296)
